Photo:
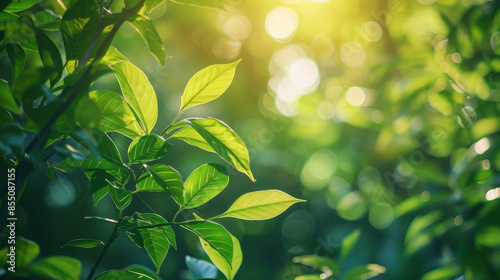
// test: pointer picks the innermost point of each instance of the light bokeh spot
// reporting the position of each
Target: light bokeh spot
(281, 23)
(355, 96)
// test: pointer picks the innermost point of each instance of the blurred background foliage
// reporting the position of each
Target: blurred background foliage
(384, 115)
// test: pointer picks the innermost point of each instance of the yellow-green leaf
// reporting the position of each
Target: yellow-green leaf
(220, 262)
(260, 205)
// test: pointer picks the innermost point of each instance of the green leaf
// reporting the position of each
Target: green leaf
(4, 4)
(50, 56)
(203, 184)
(112, 56)
(138, 92)
(442, 273)
(11, 139)
(309, 277)
(78, 26)
(83, 243)
(122, 198)
(17, 6)
(364, 272)
(152, 4)
(57, 267)
(143, 270)
(155, 242)
(17, 58)
(190, 136)
(47, 20)
(147, 148)
(119, 274)
(220, 262)
(208, 84)
(107, 148)
(167, 230)
(26, 251)
(7, 101)
(92, 164)
(200, 269)
(260, 205)
(224, 142)
(116, 115)
(87, 113)
(161, 177)
(150, 36)
(215, 4)
(215, 235)
(327, 265)
(348, 243)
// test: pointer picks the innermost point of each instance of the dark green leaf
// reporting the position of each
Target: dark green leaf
(17, 60)
(200, 269)
(47, 20)
(203, 184)
(58, 267)
(50, 56)
(122, 275)
(138, 92)
(4, 4)
(7, 101)
(78, 26)
(150, 36)
(325, 264)
(216, 236)
(216, 4)
(143, 270)
(225, 142)
(208, 84)
(11, 139)
(17, 6)
(84, 243)
(147, 148)
(107, 148)
(155, 242)
(116, 114)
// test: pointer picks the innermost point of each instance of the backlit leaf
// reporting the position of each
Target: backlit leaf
(190, 136)
(220, 262)
(260, 205)
(224, 142)
(208, 84)
(147, 148)
(122, 275)
(325, 264)
(138, 93)
(155, 242)
(116, 114)
(216, 4)
(150, 36)
(57, 267)
(161, 177)
(167, 230)
(203, 184)
(215, 235)
(122, 198)
(367, 271)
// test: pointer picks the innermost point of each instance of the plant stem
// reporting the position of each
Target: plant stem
(170, 125)
(111, 238)
(177, 214)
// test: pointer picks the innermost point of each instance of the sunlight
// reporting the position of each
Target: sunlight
(304, 74)
(281, 23)
(493, 194)
(355, 96)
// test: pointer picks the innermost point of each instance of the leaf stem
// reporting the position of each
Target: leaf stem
(177, 213)
(111, 238)
(170, 125)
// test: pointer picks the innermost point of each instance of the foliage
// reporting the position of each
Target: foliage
(53, 100)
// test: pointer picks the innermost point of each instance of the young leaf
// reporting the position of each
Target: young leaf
(150, 36)
(208, 84)
(220, 262)
(225, 143)
(57, 267)
(26, 251)
(78, 26)
(348, 243)
(167, 230)
(120, 274)
(83, 243)
(162, 177)
(138, 92)
(190, 136)
(203, 184)
(155, 243)
(260, 205)
(201, 269)
(17, 58)
(120, 197)
(50, 56)
(215, 235)
(147, 148)
(216, 4)
(116, 114)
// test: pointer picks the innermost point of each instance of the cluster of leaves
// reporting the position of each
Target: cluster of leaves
(53, 100)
